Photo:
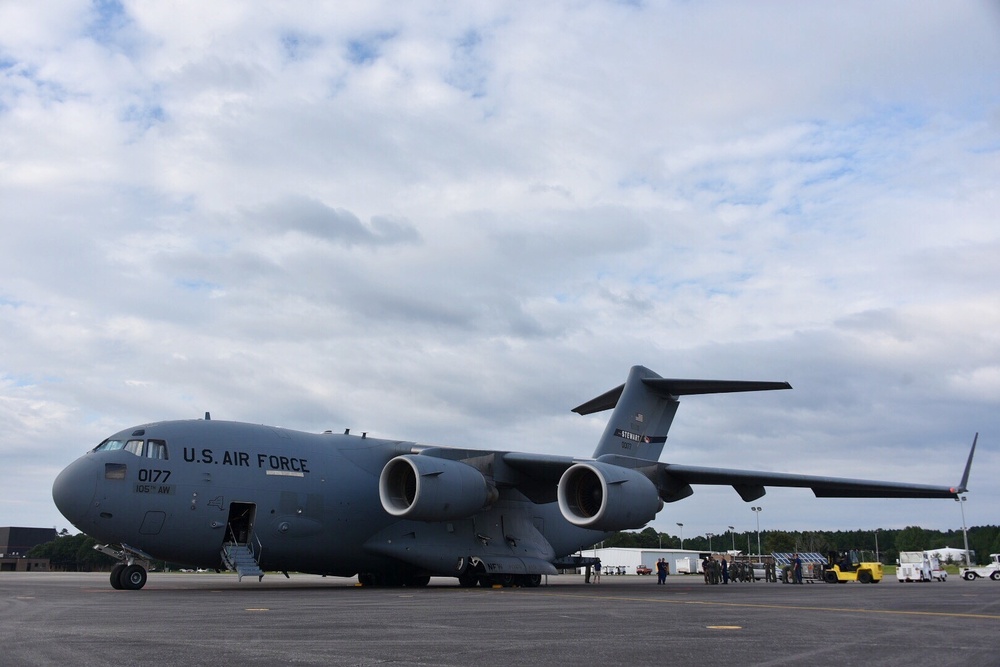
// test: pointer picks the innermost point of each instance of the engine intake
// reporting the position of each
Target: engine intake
(425, 488)
(602, 496)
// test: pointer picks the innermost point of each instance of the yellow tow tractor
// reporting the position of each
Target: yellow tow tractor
(852, 565)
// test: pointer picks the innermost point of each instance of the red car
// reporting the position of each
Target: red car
(642, 569)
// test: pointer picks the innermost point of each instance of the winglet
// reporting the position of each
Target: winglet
(963, 486)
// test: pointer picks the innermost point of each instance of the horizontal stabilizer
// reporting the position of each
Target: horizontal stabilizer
(673, 387)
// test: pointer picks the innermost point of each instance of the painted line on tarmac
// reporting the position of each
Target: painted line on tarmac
(750, 605)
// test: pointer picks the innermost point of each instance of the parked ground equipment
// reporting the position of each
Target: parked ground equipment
(852, 565)
(992, 570)
(919, 566)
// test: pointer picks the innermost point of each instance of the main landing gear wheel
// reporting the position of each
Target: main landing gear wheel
(116, 576)
(532, 580)
(133, 577)
(506, 580)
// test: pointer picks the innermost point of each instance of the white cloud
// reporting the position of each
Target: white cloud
(481, 215)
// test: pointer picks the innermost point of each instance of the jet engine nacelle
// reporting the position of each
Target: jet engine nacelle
(425, 488)
(602, 496)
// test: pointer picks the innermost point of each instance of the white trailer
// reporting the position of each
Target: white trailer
(687, 565)
(992, 570)
(919, 566)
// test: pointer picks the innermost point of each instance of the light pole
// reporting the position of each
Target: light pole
(733, 535)
(709, 536)
(682, 535)
(876, 546)
(965, 533)
(756, 512)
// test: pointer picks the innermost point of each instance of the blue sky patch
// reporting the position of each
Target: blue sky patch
(367, 50)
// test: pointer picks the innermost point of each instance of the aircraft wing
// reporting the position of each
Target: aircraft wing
(676, 480)
(750, 484)
(673, 481)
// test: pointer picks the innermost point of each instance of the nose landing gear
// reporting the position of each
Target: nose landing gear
(130, 573)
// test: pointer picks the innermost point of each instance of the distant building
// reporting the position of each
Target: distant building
(624, 560)
(15, 543)
(952, 555)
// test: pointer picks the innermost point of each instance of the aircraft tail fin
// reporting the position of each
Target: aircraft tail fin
(644, 408)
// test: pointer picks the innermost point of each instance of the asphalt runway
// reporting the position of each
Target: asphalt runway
(202, 619)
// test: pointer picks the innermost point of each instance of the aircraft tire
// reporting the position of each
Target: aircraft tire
(133, 577)
(116, 576)
(532, 580)
(468, 580)
(418, 581)
(506, 580)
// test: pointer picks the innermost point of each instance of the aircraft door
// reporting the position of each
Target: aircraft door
(239, 528)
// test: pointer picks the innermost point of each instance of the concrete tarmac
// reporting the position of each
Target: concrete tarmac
(211, 619)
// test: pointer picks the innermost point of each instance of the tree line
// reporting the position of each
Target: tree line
(72, 553)
(983, 540)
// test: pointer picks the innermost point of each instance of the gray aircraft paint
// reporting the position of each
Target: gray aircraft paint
(318, 506)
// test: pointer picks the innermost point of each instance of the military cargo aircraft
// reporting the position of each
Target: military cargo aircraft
(253, 498)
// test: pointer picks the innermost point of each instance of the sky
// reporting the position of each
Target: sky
(454, 222)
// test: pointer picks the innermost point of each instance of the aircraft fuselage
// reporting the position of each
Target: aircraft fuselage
(307, 502)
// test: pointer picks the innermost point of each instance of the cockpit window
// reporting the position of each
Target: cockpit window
(151, 449)
(156, 449)
(110, 445)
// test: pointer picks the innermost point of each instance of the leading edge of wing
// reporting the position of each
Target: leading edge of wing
(749, 483)
(822, 487)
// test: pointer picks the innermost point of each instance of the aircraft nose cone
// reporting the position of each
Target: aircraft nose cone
(73, 491)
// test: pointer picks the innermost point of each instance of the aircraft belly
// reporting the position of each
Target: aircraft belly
(566, 538)
(504, 539)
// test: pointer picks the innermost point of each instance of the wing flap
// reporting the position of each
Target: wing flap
(822, 487)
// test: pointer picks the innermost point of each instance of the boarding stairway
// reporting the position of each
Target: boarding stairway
(241, 559)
